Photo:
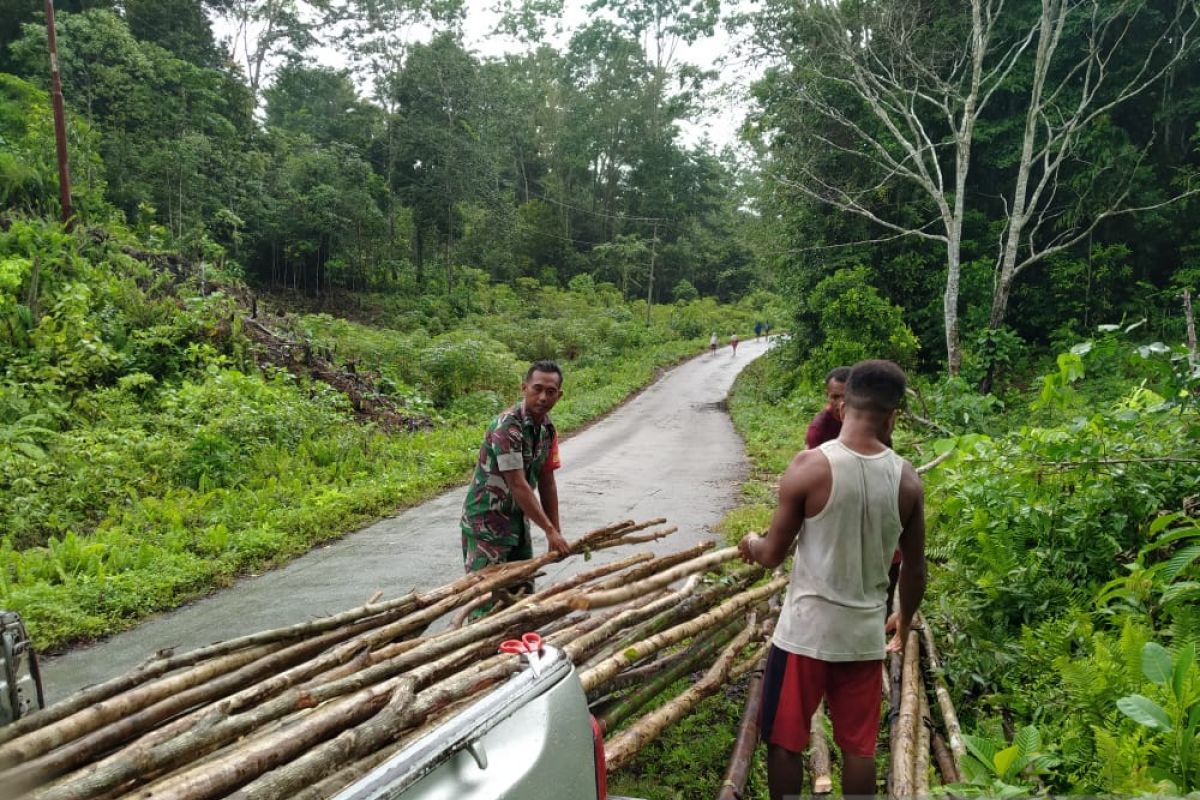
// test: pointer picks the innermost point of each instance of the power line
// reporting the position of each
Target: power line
(624, 217)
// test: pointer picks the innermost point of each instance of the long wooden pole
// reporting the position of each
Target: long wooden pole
(958, 747)
(734, 782)
(634, 590)
(701, 654)
(614, 664)
(619, 750)
(60, 119)
(921, 757)
(904, 743)
(819, 761)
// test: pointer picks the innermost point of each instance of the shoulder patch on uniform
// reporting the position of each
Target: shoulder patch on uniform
(509, 461)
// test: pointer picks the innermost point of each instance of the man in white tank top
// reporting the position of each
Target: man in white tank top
(847, 505)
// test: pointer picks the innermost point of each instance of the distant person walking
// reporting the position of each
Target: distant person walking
(712, 343)
(733, 341)
(758, 327)
(846, 505)
(518, 457)
(767, 329)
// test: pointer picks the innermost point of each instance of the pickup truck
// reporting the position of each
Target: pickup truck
(20, 681)
(531, 738)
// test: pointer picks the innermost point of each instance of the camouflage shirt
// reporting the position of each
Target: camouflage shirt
(513, 440)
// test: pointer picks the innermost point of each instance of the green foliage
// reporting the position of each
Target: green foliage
(28, 166)
(992, 770)
(145, 458)
(854, 323)
(1178, 723)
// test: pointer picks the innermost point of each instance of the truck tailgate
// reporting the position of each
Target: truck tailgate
(529, 739)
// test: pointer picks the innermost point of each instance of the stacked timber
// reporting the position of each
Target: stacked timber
(303, 711)
(918, 747)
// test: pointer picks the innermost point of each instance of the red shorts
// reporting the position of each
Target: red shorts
(793, 687)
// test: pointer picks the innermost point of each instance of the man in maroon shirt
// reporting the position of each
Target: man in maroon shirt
(828, 424)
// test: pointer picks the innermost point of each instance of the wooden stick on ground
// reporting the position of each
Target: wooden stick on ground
(617, 662)
(943, 758)
(921, 759)
(903, 746)
(958, 748)
(819, 760)
(619, 750)
(742, 756)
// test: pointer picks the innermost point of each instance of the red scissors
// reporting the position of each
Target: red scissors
(529, 645)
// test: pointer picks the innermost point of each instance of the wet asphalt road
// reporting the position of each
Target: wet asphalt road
(670, 452)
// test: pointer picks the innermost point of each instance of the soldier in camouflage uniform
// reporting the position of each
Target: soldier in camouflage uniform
(518, 457)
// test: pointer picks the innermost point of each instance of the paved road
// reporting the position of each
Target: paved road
(670, 452)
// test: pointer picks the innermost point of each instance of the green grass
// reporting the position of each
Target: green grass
(146, 458)
(159, 544)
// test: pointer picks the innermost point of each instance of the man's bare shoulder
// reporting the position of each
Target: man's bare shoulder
(806, 466)
(909, 476)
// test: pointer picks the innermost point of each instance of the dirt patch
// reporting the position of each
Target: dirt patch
(302, 359)
(274, 348)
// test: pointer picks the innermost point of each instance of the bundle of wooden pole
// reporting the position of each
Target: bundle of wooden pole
(305, 710)
(916, 743)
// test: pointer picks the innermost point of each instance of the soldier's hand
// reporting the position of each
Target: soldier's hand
(557, 543)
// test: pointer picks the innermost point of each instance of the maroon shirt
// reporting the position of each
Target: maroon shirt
(825, 427)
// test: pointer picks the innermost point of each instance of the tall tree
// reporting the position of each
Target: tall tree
(264, 30)
(1074, 89)
(442, 160)
(882, 99)
(179, 26)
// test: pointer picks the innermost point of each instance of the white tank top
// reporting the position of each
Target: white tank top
(835, 602)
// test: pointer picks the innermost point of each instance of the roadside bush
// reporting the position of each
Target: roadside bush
(459, 363)
(855, 323)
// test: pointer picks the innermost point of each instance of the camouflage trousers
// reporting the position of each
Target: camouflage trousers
(484, 548)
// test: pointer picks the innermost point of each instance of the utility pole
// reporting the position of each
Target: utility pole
(60, 120)
(650, 283)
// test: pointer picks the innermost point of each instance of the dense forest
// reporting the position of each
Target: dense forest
(291, 292)
(413, 159)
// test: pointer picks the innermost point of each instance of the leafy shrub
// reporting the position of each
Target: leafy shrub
(856, 323)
